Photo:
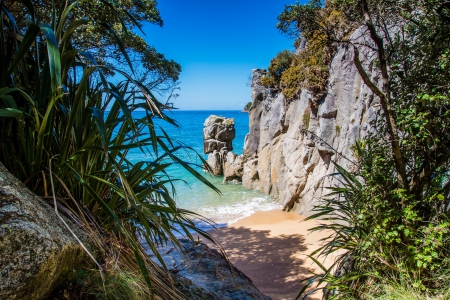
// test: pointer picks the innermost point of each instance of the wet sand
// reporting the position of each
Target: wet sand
(270, 247)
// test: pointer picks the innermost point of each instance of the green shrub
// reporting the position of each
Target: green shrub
(293, 72)
(391, 212)
(277, 66)
(382, 231)
(306, 118)
(309, 69)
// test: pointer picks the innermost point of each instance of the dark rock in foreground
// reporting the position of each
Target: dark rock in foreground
(205, 274)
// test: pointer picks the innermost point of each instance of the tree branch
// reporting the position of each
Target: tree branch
(384, 101)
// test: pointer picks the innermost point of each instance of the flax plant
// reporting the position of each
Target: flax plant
(59, 112)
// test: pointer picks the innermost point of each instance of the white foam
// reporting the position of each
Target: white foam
(232, 213)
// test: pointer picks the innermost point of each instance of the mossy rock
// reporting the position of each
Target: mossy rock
(37, 251)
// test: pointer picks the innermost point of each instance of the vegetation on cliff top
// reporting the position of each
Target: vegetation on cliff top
(321, 27)
(393, 207)
(69, 130)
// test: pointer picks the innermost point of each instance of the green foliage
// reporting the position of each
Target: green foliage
(277, 66)
(320, 26)
(116, 284)
(338, 130)
(309, 70)
(69, 132)
(151, 67)
(380, 232)
(306, 118)
(122, 285)
(298, 18)
(248, 106)
(393, 287)
(393, 229)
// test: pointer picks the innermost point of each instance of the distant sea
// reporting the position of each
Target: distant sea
(235, 202)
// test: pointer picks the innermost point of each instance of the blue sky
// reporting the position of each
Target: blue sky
(217, 43)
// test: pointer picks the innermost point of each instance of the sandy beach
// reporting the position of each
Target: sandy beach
(270, 247)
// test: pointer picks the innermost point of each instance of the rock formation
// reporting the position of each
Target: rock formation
(37, 250)
(218, 134)
(205, 274)
(289, 150)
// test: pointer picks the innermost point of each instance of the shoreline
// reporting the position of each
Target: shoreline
(271, 248)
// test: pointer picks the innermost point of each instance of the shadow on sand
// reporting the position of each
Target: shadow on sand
(276, 264)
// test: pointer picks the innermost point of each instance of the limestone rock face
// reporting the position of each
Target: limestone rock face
(215, 161)
(250, 176)
(205, 274)
(233, 167)
(291, 144)
(218, 133)
(36, 250)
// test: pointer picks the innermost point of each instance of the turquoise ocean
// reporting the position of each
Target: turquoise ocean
(235, 202)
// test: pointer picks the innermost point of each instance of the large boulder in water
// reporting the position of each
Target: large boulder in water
(37, 251)
(218, 133)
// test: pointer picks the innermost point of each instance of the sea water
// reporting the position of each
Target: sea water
(234, 202)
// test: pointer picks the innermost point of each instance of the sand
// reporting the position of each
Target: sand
(270, 247)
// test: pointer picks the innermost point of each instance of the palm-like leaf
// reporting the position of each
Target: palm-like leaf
(66, 111)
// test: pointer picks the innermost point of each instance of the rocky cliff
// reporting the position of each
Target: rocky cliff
(289, 150)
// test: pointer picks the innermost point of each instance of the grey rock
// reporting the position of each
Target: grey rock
(215, 161)
(326, 134)
(277, 118)
(259, 93)
(209, 145)
(209, 132)
(223, 146)
(250, 178)
(233, 167)
(218, 133)
(38, 253)
(226, 133)
(328, 108)
(212, 119)
(203, 273)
